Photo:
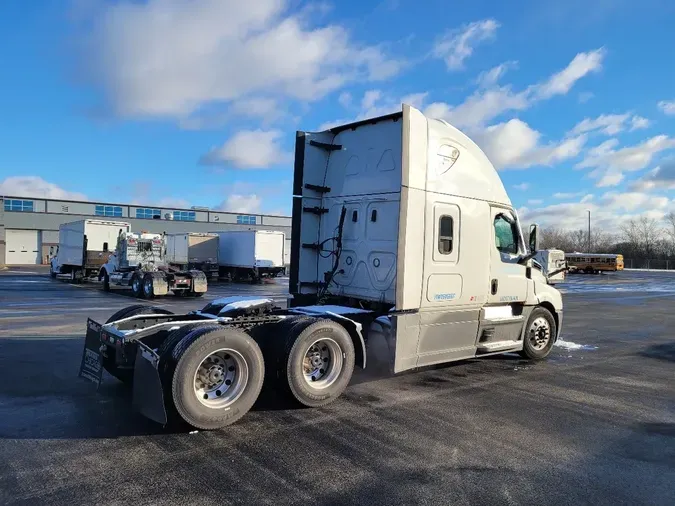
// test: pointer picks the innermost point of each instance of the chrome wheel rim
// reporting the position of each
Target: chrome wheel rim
(136, 285)
(220, 378)
(322, 363)
(539, 333)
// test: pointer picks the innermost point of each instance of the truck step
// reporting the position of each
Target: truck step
(317, 188)
(315, 210)
(498, 346)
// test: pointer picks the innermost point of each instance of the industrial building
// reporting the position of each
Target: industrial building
(30, 226)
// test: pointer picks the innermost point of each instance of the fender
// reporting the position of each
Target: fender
(553, 304)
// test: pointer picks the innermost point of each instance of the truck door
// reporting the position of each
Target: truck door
(508, 283)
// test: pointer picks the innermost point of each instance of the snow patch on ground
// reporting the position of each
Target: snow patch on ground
(569, 345)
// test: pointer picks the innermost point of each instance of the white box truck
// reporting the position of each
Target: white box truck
(84, 246)
(251, 254)
(193, 250)
(403, 239)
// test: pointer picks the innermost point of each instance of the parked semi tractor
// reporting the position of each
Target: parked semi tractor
(251, 254)
(139, 264)
(553, 265)
(84, 246)
(193, 250)
(402, 234)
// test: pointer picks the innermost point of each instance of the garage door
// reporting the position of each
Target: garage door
(21, 247)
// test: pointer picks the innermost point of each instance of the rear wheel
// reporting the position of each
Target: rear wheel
(136, 285)
(319, 362)
(217, 378)
(106, 281)
(122, 373)
(539, 334)
(148, 287)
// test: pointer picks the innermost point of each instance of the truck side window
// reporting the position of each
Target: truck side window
(506, 236)
(445, 235)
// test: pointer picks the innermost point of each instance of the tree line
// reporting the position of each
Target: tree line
(637, 238)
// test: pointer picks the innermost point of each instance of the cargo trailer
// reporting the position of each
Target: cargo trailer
(193, 250)
(251, 254)
(84, 246)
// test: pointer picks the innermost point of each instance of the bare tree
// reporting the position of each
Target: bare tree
(670, 223)
(650, 233)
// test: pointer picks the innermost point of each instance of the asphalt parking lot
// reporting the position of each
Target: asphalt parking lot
(593, 424)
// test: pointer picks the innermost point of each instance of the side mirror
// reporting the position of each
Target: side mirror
(534, 238)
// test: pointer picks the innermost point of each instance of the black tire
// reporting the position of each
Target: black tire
(530, 348)
(303, 336)
(51, 272)
(204, 342)
(125, 374)
(106, 281)
(137, 291)
(197, 294)
(148, 287)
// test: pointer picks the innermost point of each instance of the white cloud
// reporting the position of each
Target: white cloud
(535, 202)
(256, 107)
(638, 123)
(249, 149)
(235, 203)
(370, 98)
(582, 64)
(457, 45)
(606, 214)
(485, 105)
(611, 124)
(480, 107)
(564, 196)
(585, 96)
(374, 103)
(667, 106)
(514, 144)
(522, 186)
(659, 178)
(36, 187)
(172, 58)
(610, 163)
(345, 99)
(489, 78)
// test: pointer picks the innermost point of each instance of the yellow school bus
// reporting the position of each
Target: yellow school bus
(594, 263)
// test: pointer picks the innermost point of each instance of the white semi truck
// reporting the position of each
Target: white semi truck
(84, 246)
(193, 250)
(139, 264)
(251, 254)
(402, 233)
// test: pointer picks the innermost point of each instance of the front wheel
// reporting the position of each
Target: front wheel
(217, 378)
(106, 282)
(539, 334)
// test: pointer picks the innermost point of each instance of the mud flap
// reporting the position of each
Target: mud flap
(160, 286)
(199, 281)
(148, 394)
(91, 367)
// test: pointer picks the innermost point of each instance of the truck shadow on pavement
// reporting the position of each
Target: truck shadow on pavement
(42, 397)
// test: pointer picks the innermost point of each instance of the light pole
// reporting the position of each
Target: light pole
(589, 229)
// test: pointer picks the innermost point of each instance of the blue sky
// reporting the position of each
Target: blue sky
(188, 102)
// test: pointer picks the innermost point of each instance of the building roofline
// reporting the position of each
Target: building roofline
(146, 206)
